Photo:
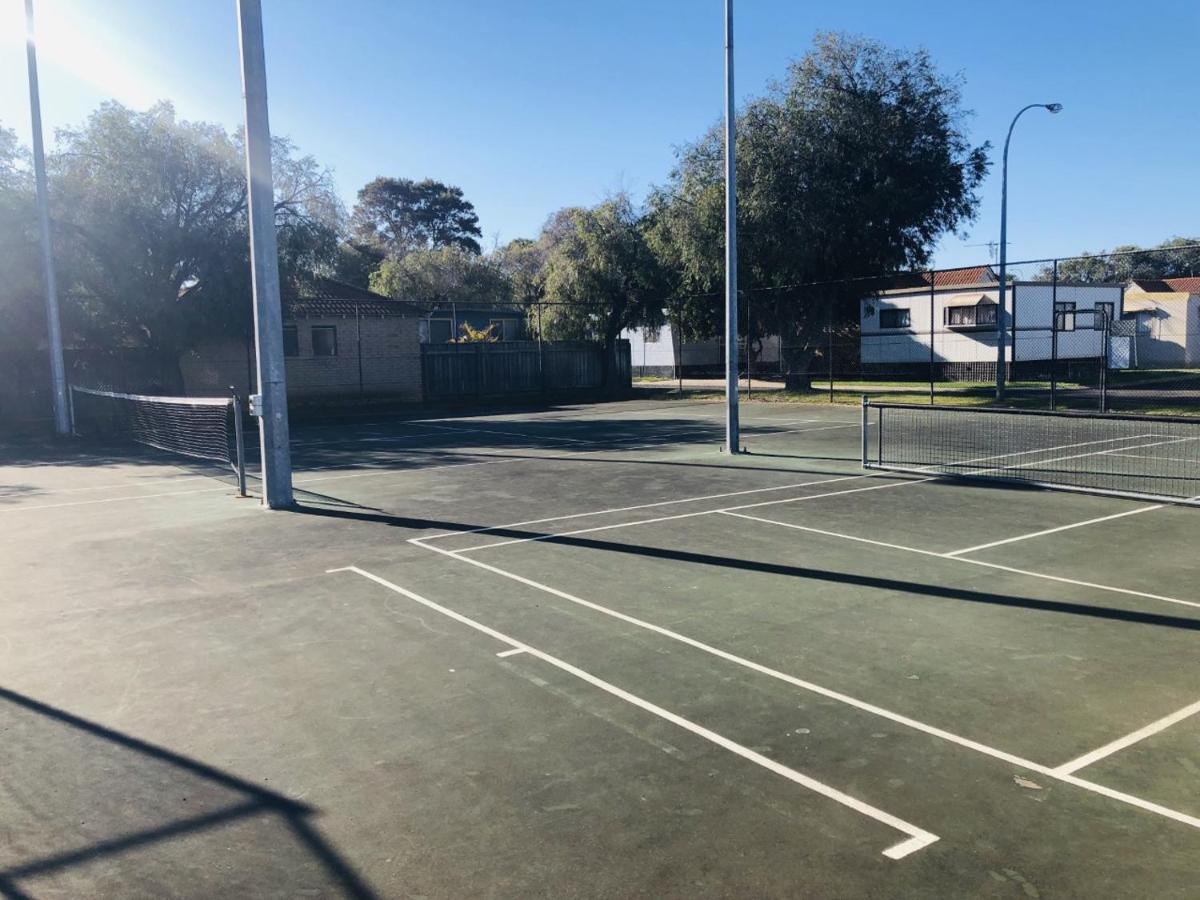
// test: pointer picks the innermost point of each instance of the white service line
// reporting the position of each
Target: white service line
(691, 515)
(916, 837)
(962, 559)
(620, 509)
(914, 724)
(1130, 739)
(228, 488)
(1045, 531)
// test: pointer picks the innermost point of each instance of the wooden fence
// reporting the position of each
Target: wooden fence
(520, 367)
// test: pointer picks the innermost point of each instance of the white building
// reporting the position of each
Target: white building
(655, 351)
(1167, 316)
(952, 323)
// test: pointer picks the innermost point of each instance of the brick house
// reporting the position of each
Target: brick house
(338, 340)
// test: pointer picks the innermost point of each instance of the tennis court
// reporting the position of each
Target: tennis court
(578, 651)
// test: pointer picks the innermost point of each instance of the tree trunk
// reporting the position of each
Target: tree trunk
(797, 375)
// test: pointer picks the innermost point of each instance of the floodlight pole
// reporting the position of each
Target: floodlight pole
(264, 264)
(732, 436)
(58, 371)
(1001, 309)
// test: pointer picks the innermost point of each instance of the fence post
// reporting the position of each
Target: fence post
(932, 285)
(1054, 338)
(541, 351)
(358, 341)
(679, 347)
(1105, 349)
(866, 408)
(749, 352)
(829, 343)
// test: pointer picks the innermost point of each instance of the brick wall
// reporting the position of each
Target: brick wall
(390, 361)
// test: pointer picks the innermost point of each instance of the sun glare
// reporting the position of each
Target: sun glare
(70, 42)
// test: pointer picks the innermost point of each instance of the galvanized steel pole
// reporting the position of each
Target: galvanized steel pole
(732, 436)
(58, 373)
(264, 263)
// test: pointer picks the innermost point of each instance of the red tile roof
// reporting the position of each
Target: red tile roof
(1189, 285)
(968, 276)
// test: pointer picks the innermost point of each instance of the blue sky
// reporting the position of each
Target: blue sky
(530, 106)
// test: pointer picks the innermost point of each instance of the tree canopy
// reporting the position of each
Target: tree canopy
(398, 215)
(1170, 259)
(601, 276)
(856, 163)
(151, 226)
(443, 275)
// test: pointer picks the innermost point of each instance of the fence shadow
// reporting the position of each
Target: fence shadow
(95, 810)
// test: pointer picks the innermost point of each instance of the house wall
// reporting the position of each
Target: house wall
(1168, 329)
(1032, 306)
(653, 352)
(480, 319)
(390, 361)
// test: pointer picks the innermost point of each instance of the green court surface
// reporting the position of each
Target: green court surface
(581, 652)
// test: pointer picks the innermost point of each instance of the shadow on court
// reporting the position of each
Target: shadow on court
(91, 811)
(378, 517)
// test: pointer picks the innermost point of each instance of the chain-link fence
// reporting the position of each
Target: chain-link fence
(1118, 332)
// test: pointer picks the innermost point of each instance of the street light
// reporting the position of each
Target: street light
(1001, 312)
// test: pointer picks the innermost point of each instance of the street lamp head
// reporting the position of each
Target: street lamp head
(1054, 107)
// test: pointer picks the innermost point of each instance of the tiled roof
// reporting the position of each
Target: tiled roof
(968, 276)
(329, 298)
(1189, 285)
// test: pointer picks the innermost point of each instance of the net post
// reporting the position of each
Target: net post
(239, 441)
(866, 409)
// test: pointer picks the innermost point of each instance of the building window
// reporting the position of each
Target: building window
(291, 341)
(1103, 316)
(440, 331)
(895, 318)
(324, 340)
(982, 313)
(504, 329)
(1064, 315)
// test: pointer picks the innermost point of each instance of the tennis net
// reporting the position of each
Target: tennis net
(207, 428)
(1142, 457)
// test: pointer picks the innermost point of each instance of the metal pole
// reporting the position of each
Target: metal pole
(58, 369)
(932, 304)
(541, 352)
(264, 262)
(1105, 345)
(866, 408)
(239, 438)
(732, 437)
(1001, 315)
(829, 345)
(679, 347)
(749, 352)
(1054, 338)
(358, 342)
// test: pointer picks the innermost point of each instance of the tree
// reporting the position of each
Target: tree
(1170, 259)
(22, 314)
(522, 262)
(399, 215)
(441, 276)
(601, 276)
(151, 229)
(855, 164)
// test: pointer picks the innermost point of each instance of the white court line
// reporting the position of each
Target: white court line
(228, 488)
(917, 837)
(914, 724)
(691, 515)
(1182, 459)
(1130, 739)
(620, 509)
(1045, 531)
(504, 654)
(962, 559)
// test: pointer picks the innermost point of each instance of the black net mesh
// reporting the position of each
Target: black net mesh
(1152, 457)
(197, 427)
